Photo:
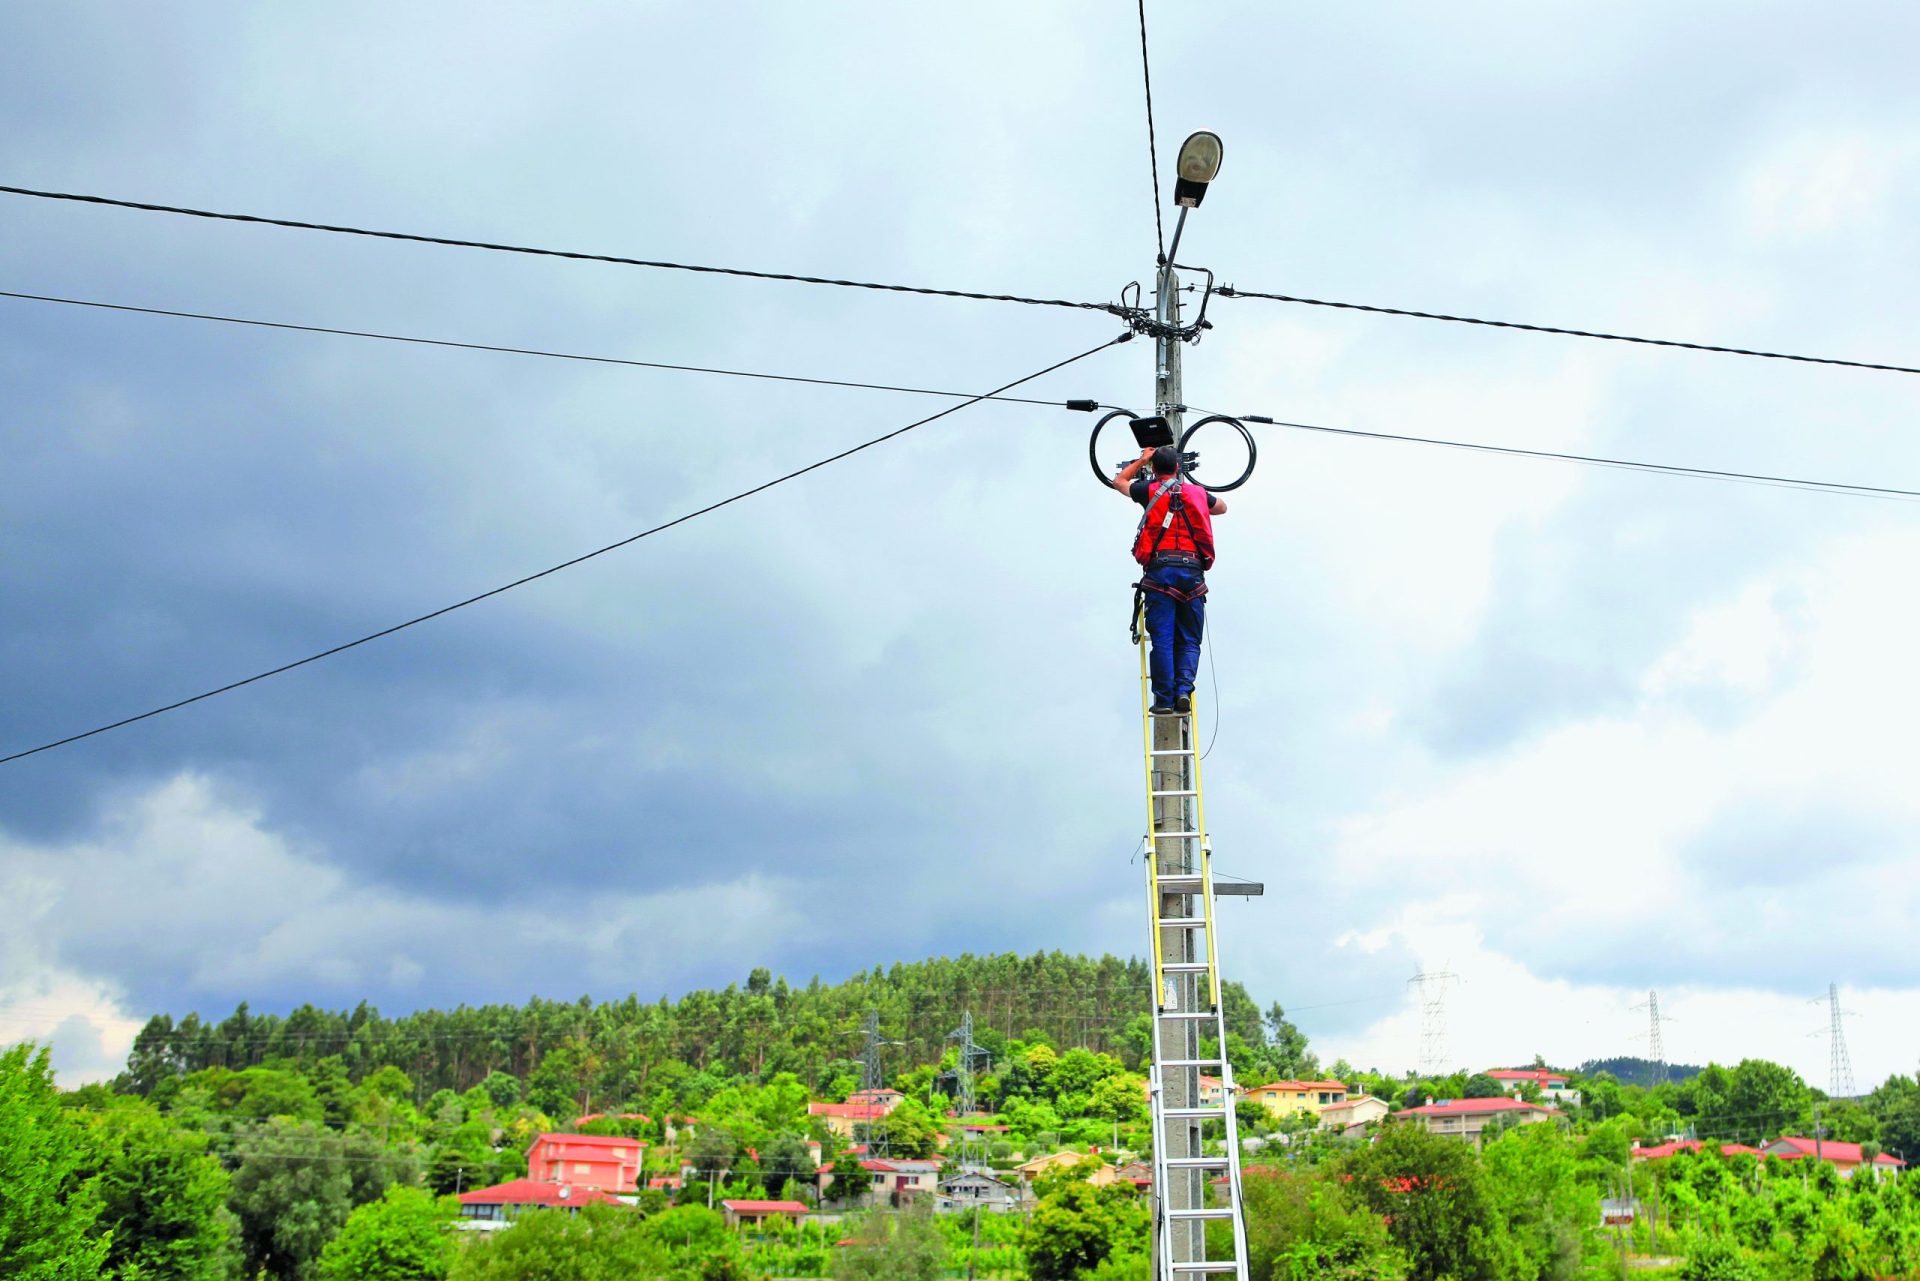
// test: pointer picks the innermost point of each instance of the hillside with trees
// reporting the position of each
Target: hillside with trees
(323, 1146)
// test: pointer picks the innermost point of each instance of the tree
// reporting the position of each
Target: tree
(404, 1236)
(906, 1245)
(1482, 1086)
(910, 1130)
(711, 1153)
(1287, 1052)
(786, 1157)
(1441, 1212)
(162, 1198)
(45, 1218)
(291, 1195)
(1077, 1226)
(600, 1243)
(1309, 1226)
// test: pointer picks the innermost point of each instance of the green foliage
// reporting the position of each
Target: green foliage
(162, 1198)
(910, 1130)
(404, 1236)
(906, 1245)
(1548, 1208)
(783, 1159)
(600, 1243)
(1481, 1086)
(1442, 1211)
(45, 1220)
(1718, 1259)
(1076, 1227)
(1310, 1226)
(291, 1194)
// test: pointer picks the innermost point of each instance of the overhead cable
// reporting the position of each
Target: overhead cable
(513, 351)
(1669, 469)
(1228, 291)
(1153, 145)
(457, 243)
(566, 564)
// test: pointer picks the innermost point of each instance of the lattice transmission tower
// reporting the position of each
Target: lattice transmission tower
(1432, 987)
(1656, 1043)
(965, 1105)
(1839, 1066)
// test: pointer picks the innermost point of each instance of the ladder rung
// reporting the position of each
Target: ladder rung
(1178, 791)
(1171, 751)
(1178, 836)
(1192, 1114)
(1189, 1062)
(1180, 883)
(1209, 1213)
(1195, 1163)
(1181, 922)
(1186, 1014)
(1186, 967)
(1207, 1265)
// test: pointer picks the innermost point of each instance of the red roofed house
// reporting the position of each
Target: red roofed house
(1552, 1085)
(844, 1119)
(1469, 1118)
(1284, 1098)
(486, 1209)
(1660, 1151)
(607, 1162)
(1846, 1157)
(754, 1214)
(881, 1098)
(895, 1178)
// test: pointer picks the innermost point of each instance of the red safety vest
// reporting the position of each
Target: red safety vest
(1176, 520)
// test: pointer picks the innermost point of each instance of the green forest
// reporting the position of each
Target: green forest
(326, 1145)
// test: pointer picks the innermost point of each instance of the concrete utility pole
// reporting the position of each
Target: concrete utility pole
(1179, 1038)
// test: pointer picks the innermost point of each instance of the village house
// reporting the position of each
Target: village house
(893, 1178)
(1660, 1151)
(850, 1120)
(1469, 1119)
(607, 1162)
(490, 1209)
(758, 1214)
(1102, 1174)
(1353, 1116)
(1846, 1158)
(1285, 1098)
(977, 1188)
(1554, 1091)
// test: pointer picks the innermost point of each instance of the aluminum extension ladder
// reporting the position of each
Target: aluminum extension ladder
(1187, 1009)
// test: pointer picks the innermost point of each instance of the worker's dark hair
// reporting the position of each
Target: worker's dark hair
(1166, 460)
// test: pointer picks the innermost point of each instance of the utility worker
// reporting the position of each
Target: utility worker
(1174, 546)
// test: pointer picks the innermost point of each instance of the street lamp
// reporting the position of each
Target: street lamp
(1197, 166)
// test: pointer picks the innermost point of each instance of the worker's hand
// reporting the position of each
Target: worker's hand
(1146, 455)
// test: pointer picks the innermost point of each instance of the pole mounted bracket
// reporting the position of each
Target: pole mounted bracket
(1143, 322)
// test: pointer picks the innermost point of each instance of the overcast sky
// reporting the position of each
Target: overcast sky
(1572, 733)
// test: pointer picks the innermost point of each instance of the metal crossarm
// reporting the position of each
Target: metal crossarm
(1187, 1010)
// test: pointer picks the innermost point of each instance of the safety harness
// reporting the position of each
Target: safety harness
(1200, 558)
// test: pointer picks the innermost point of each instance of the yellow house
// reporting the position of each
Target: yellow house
(1284, 1098)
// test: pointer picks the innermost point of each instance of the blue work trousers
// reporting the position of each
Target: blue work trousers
(1175, 627)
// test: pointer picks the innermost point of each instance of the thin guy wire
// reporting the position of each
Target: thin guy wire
(566, 564)
(513, 351)
(1153, 146)
(454, 242)
(1228, 291)
(1840, 488)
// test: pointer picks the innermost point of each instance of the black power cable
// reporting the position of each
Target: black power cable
(454, 242)
(565, 564)
(1668, 469)
(1153, 146)
(1228, 291)
(515, 351)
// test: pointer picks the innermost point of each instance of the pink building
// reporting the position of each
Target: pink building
(608, 1163)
